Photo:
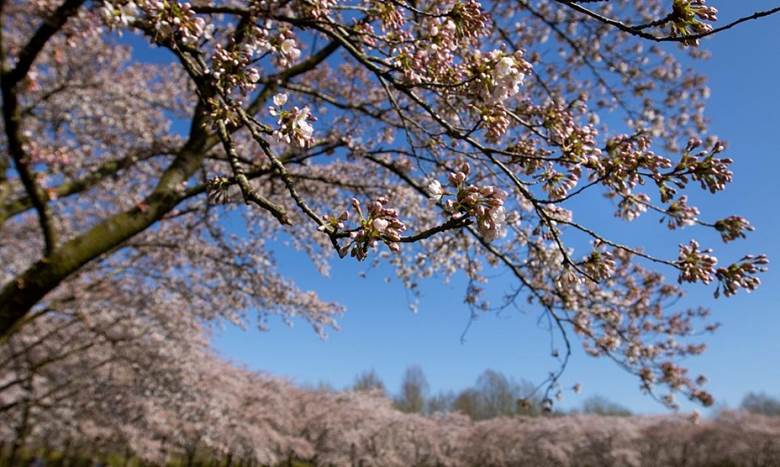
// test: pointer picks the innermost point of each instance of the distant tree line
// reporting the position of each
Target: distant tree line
(761, 404)
(496, 395)
(493, 395)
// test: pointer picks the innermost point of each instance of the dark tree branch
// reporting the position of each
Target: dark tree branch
(19, 295)
(49, 27)
(640, 29)
(250, 194)
(15, 141)
(73, 187)
(22, 293)
(12, 116)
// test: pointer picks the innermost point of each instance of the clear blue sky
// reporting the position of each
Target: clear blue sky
(379, 331)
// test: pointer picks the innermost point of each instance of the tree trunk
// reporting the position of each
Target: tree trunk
(20, 294)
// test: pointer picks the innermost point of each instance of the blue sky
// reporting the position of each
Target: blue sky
(379, 331)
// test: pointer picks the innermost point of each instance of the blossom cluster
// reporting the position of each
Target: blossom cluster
(170, 20)
(449, 34)
(741, 275)
(556, 183)
(632, 206)
(600, 263)
(469, 20)
(286, 46)
(577, 142)
(733, 227)
(680, 214)
(695, 264)
(378, 224)
(688, 18)
(230, 69)
(485, 204)
(509, 72)
(492, 79)
(294, 124)
(698, 265)
(625, 157)
(120, 15)
(712, 173)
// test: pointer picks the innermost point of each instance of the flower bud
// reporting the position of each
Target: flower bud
(380, 224)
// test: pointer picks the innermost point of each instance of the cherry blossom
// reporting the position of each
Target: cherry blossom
(446, 131)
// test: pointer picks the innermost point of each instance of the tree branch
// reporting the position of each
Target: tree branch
(38, 197)
(19, 295)
(72, 187)
(249, 193)
(49, 27)
(639, 30)
(12, 115)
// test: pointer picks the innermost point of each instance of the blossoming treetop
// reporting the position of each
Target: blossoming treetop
(437, 135)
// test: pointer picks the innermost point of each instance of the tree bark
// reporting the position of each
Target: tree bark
(19, 296)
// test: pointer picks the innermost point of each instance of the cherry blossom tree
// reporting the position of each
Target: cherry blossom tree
(437, 136)
(143, 397)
